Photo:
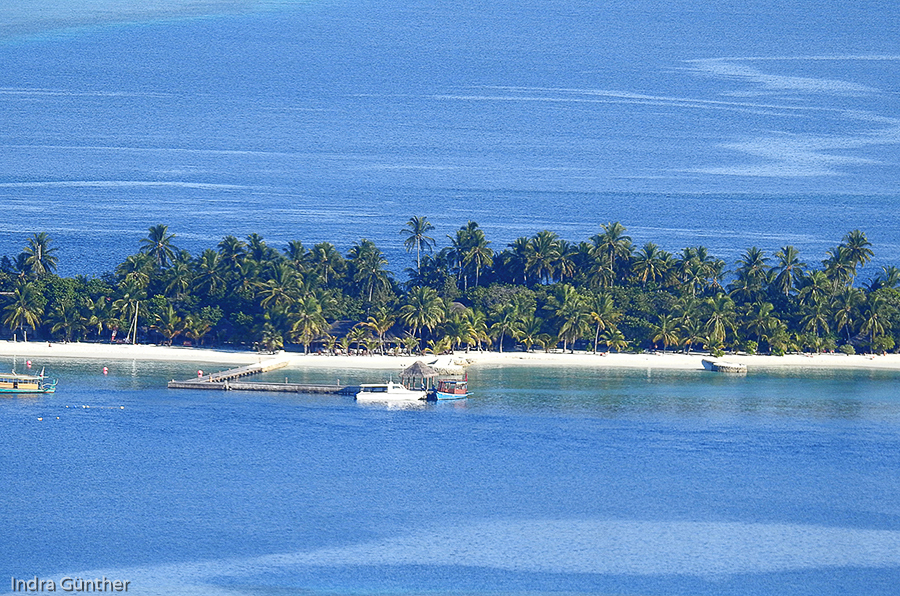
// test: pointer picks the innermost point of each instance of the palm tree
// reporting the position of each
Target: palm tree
(648, 264)
(158, 244)
(368, 262)
(789, 270)
(665, 331)
(604, 315)
(840, 267)
(281, 289)
(416, 231)
(845, 306)
(478, 254)
(66, 317)
(530, 330)
(815, 287)
(612, 244)
(543, 255)
(130, 306)
(380, 323)
(297, 254)
(309, 322)
(508, 320)
(208, 279)
(875, 317)
(720, 317)
(168, 324)
(326, 260)
(232, 252)
(857, 246)
(614, 339)
(40, 258)
(26, 308)
(136, 269)
(423, 309)
(751, 275)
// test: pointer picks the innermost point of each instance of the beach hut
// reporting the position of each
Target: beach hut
(418, 375)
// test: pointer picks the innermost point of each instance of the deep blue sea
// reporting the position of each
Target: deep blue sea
(730, 124)
(544, 482)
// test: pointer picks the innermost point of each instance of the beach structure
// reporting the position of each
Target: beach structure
(418, 375)
(226, 381)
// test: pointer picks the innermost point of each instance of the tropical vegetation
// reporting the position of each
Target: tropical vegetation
(538, 292)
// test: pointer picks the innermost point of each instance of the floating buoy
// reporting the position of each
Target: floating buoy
(105, 370)
(121, 407)
(28, 363)
(40, 418)
(199, 373)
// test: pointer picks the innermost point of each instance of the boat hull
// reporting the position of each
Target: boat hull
(440, 395)
(388, 392)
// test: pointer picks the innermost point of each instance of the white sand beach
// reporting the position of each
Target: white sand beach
(38, 351)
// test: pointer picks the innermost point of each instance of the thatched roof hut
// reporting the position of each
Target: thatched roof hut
(419, 374)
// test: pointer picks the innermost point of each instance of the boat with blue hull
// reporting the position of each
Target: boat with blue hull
(451, 389)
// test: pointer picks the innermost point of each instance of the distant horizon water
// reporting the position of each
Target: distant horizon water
(731, 126)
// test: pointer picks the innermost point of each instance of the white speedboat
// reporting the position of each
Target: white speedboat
(389, 391)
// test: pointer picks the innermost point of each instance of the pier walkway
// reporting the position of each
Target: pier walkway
(226, 381)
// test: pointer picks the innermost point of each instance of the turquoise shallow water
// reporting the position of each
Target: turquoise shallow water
(547, 481)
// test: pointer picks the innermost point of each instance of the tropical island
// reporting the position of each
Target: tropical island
(538, 294)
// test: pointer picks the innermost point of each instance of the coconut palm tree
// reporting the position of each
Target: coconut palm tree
(25, 310)
(665, 331)
(158, 244)
(39, 258)
(478, 254)
(614, 339)
(368, 263)
(423, 309)
(788, 271)
(648, 264)
(68, 318)
(168, 324)
(815, 287)
(327, 262)
(845, 306)
(875, 317)
(857, 246)
(543, 255)
(309, 322)
(281, 289)
(612, 244)
(720, 317)
(416, 231)
(380, 322)
(604, 315)
(232, 253)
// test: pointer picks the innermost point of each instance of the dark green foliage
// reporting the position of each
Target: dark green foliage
(538, 292)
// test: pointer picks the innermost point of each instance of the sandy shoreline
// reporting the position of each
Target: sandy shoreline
(38, 351)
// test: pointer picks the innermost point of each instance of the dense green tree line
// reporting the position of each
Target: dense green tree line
(543, 292)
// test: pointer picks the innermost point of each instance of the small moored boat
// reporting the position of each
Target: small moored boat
(389, 391)
(18, 383)
(451, 389)
(724, 367)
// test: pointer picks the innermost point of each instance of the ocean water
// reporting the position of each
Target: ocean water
(730, 125)
(544, 482)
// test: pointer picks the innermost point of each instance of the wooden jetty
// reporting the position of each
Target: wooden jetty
(225, 381)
